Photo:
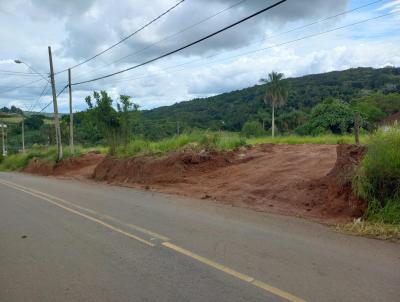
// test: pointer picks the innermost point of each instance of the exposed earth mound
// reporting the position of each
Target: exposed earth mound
(76, 167)
(312, 181)
(301, 180)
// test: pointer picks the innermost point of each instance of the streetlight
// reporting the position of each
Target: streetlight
(21, 62)
(23, 117)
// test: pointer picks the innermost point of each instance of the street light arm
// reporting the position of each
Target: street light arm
(38, 73)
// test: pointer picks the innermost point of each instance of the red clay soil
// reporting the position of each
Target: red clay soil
(310, 181)
(73, 167)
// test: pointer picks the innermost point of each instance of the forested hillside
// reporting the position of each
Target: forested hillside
(229, 111)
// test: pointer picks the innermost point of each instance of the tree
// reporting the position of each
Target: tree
(126, 112)
(105, 116)
(264, 117)
(276, 92)
(34, 122)
(252, 129)
(332, 116)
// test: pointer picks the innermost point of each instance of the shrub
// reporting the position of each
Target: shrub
(378, 177)
(252, 129)
(330, 116)
(197, 140)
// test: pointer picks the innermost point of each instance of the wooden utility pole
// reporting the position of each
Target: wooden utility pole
(357, 127)
(3, 140)
(71, 115)
(23, 134)
(55, 106)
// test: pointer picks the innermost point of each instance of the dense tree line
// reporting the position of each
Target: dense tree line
(229, 111)
(315, 104)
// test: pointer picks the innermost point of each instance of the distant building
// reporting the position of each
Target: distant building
(391, 120)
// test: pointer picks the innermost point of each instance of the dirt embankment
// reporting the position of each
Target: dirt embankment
(74, 167)
(310, 181)
(302, 180)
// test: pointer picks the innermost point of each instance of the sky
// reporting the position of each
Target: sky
(296, 38)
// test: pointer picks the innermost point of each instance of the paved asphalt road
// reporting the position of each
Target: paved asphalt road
(63, 240)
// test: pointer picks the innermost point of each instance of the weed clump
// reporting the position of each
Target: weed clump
(378, 177)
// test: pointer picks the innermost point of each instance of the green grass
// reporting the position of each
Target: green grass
(377, 180)
(47, 155)
(296, 139)
(194, 140)
(11, 119)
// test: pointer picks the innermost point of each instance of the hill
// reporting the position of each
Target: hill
(229, 111)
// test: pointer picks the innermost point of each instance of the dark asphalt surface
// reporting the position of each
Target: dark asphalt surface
(66, 256)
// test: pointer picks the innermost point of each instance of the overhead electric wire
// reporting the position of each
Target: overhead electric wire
(264, 48)
(172, 35)
(322, 20)
(44, 108)
(267, 37)
(124, 39)
(40, 96)
(62, 90)
(258, 50)
(21, 86)
(185, 46)
(179, 32)
(17, 72)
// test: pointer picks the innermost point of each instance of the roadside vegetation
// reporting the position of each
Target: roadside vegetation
(196, 140)
(378, 177)
(46, 155)
(317, 109)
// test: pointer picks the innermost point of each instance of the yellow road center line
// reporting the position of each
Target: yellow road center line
(264, 286)
(133, 226)
(208, 262)
(83, 215)
(271, 289)
(277, 291)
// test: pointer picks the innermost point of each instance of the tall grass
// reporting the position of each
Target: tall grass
(195, 140)
(47, 155)
(296, 139)
(378, 177)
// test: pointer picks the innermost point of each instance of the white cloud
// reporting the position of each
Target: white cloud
(83, 28)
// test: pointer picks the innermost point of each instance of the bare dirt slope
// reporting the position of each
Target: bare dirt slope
(74, 167)
(300, 180)
(310, 181)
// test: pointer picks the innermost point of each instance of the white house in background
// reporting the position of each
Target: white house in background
(391, 120)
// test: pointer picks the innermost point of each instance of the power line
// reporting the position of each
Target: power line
(322, 20)
(172, 35)
(21, 86)
(280, 33)
(17, 72)
(230, 7)
(124, 39)
(264, 48)
(45, 88)
(62, 90)
(179, 32)
(260, 49)
(186, 46)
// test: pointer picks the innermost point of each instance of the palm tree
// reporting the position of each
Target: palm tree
(276, 92)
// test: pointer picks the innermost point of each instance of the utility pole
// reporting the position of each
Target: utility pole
(55, 106)
(3, 140)
(71, 115)
(23, 134)
(357, 127)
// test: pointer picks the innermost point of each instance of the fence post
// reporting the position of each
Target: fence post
(357, 127)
